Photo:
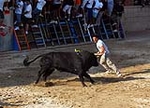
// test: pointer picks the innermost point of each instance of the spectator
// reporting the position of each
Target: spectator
(96, 11)
(27, 14)
(88, 6)
(67, 7)
(104, 56)
(77, 8)
(38, 10)
(18, 13)
(1, 10)
(116, 15)
(110, 7)
(56, 6)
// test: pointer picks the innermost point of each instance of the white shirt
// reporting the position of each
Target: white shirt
(99, 44)
(29, 9)
(2, 4)
(98, 5)
(88, 3)
(40, 4)
(56, 1)
(19, 7)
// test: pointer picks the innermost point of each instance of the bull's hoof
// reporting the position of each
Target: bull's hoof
(92, 82)
(47, 84)
(84, 85)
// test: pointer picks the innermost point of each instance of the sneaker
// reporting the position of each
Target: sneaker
(35, 26)
(21, 25)
(41, 15)
(27, 32)
(119, 74)
(92, 25)
(79, 15)
(56, 22)
(2, 27)
(15, 22)
(85, 26)
(114, 24)
(68, 19)
(16, 28)
(88, 26)
(115, 30)
(53, 22)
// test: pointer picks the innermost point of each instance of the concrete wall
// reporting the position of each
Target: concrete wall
(136, 18)
(6, 42)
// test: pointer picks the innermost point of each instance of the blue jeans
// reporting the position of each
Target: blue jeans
(110, 6)
(18, 18)
(36, 13)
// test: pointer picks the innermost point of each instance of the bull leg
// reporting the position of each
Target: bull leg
(42, 70)
(88, 77)
(82, 79)
(47, 73)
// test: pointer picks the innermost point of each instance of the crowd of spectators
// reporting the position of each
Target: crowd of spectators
(27, 12)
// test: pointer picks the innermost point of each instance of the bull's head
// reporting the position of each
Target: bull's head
(93, 60)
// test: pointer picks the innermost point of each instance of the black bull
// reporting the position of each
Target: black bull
(73, 62)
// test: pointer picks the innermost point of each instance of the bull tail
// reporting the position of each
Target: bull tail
(26, 61)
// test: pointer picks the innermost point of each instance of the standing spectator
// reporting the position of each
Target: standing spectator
(104, 55)
(4, 29)
(18, 13)
(1, 10)
(6, 9)
(78, 8)
(38, 10)
(88, 5)
(56, 6)
(27, 15)
(110, 7)
(68, 4)
(96, 11)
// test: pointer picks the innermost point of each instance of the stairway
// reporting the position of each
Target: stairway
(112, 29)
(21, 39)
(38, 35)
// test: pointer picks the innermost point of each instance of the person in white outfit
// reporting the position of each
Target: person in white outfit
(18, 13)
(1, 10)
(104, 56)
(68, 4)
(27, 15)
(96, 11)
(88, 6)
(38, 10)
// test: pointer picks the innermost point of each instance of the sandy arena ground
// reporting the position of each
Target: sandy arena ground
(132, 56)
